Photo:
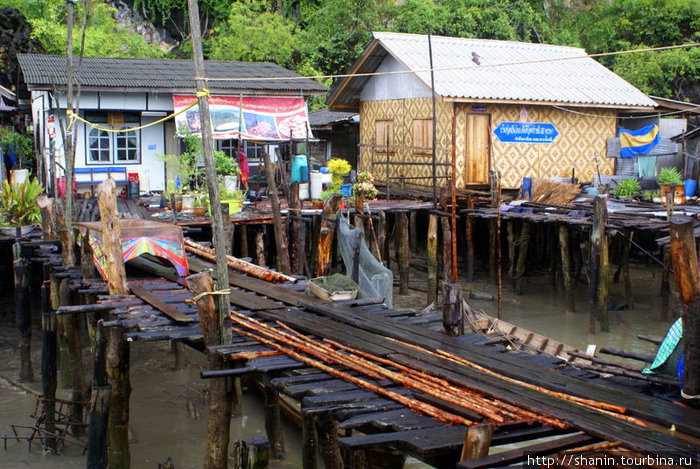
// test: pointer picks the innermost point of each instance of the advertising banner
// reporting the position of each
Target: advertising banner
(526, 132)
(248, 118)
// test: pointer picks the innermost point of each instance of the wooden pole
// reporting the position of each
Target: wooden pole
(522, 243)
(228, 229)
(432, 258)
(325, 238)
(685, 271)
(219, 420)
(260, 251)
(452, 309)
(280, 238)
(309, 438)
(566, 267)
(403, 252)
(45, 204)
(328, 441)
(273, 422)
(477, 441)
(496, 202)
(453, 190)
(72, 333)
(469, 228)
(298, 230)
(49, 361)
(243, 237)
(251, 453)
(598, 269)
(626, 278)
(69, 144)
(87, 265)
(111, 238)
(23, 315)
(222, 301)
(64, 235)
(99, 405)
(413, 230)
(381, 239)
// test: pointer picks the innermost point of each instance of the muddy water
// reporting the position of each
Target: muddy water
(168, 407)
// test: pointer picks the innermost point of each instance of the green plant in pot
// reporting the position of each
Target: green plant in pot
(669, 177)
(627, 188)
(234, 199)
(19, 205)
(20, 144)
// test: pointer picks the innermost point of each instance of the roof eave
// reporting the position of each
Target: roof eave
(217, 91)
(548, 103)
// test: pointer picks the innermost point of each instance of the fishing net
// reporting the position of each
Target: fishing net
(375, 280)
(669, 353)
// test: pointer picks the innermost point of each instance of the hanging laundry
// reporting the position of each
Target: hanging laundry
(647, 166)
(243, 166)
(638, 142)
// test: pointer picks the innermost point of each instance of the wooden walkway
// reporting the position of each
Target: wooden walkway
(373, 421)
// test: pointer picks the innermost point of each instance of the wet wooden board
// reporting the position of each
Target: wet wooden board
(163, 307)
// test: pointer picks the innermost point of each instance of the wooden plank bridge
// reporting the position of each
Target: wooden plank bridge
(367, 419)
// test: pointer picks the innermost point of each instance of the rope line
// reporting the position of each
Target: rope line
(208, 293)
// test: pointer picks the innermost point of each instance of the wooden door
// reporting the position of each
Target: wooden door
(478, 148)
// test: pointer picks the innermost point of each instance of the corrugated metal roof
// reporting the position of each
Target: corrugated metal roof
(324, 117)
(504, 70)
(108, 72)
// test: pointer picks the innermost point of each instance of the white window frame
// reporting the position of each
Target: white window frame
(115, 144)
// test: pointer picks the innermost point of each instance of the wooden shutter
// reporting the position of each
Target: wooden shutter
(422, 133)
(383, 133)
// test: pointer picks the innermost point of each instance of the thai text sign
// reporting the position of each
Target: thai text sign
(249, 118)
(526, 132)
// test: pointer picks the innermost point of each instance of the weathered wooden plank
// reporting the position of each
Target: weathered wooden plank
(163, 307)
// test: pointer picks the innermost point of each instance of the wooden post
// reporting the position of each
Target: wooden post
(325, 238)
(23, 315)
(685, 271)
(111, 237)
(243, 237)
(251, 453)
(665, 284)
(309, 441)
(357, 245)
(432, 258)
(227, 229)
(469, 228)
(381, 239)
(413, 230)
(477, 441)
(72, 333)
(403, 252)
(493, 274)
(280, 238)
(328, 441)
(273, 422)
(87, 265)
(48, 358)
(452, 309)
(446, 249)
(260, 251)
(218, 423)
(45, 204)
(64, 235)
(522, 243)
(99, 405)
(598, 268)
(566, 267)
(626, 278)
(298, 230)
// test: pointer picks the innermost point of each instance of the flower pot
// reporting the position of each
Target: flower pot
(12, 230)
(234, 205)
(199, 211)
(178, 205)
(187, 201)
(678, 194)
(317, 204)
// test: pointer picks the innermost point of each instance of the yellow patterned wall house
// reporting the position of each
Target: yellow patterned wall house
(581, 136)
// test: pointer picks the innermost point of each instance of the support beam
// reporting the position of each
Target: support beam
(49, 361)
(452, 309)
(598, 269)
(280, 237)
(273, 422)
(23, 317)
(99, 405)
(432, 258)
(566, 267)
(402, 247)
(477, 441)
(328, 441)
(309, 441)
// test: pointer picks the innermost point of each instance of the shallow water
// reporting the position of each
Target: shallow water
(163, 399)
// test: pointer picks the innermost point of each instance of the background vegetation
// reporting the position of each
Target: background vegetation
(326, 36)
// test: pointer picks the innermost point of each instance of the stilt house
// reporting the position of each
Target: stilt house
(526, 110)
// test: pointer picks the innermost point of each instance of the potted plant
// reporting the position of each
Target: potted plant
(234, 199)
(198, 207)
(19, 206)
(364, 188)
(18, 146)
(227, 169)
(627, 188)
(669, 177)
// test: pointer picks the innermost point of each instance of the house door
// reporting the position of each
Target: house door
(478, 148)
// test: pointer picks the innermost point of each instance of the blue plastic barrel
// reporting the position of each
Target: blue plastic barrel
(299, 162)
(346, 190)
(690, 186)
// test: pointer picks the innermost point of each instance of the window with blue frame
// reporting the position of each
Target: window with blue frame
(103, 147)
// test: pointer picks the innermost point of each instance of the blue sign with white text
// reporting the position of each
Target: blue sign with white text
(526, 132)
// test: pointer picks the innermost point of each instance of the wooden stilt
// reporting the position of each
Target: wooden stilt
(23, 316)
(111, 237)
(309, 439)
(566, 270)
(251, 453)
(493, 274)
(280, 238)
(87, 264)
(178, 350)
(260, 251)
(218, 423)
(64, 235)
(118, 362)
(328, 441)
(384, 458)
(523, 243)
(72, 333)
(45, 204)
(413, 230)
(477, 441)
(446, 249)
(243, 237)
(598, 268)
(469, 229)
(60, 298)
(432, 258)
(273, 422)
(228, 229)
(297, 229)
(48, 359)
(685, 271)
(452, 309)
(625, 260)
(326, 232)
(381, 239)
(665, 284)
(403, 252)
(512, 241)
(99, 405)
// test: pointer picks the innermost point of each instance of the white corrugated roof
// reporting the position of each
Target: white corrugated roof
(511, 71)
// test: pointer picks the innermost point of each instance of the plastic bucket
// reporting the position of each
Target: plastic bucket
(19, 176)
(690, 186)
(304, 191)
(315, 185)
(346, 190)
(298, 162)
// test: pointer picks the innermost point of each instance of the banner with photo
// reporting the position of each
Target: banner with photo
(248, 118)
